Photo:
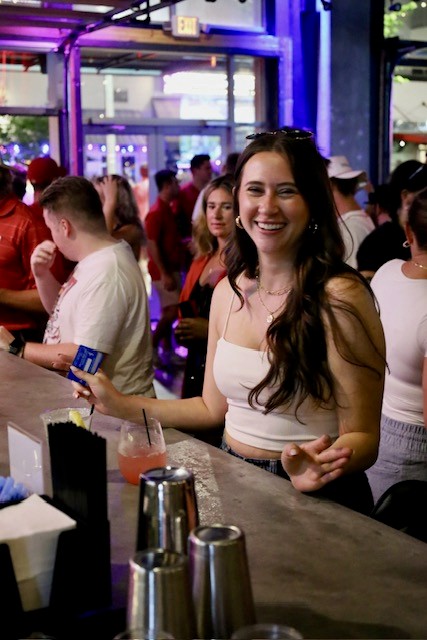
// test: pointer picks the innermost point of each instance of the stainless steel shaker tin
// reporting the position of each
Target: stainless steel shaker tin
(221, 586)
(167, 508)
(159, 595)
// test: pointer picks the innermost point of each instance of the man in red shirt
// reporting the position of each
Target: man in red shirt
(21, 310)
(165, 259)
(201, 172)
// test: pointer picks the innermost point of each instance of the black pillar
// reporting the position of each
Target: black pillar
(356, 91)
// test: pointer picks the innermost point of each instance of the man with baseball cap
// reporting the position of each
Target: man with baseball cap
(354, 223)
(42, 172)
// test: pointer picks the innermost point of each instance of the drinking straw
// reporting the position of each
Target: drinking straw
(92, 409)
(146, 426)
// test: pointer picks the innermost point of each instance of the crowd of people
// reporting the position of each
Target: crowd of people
(279, 284)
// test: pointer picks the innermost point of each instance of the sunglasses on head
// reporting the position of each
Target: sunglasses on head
(288, 132)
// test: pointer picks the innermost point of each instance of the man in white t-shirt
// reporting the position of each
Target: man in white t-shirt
(353, 221)
(103, 304)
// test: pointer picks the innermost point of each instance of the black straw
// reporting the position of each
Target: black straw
(146, 426)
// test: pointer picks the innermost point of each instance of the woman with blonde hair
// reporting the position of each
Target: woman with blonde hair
(210, 233)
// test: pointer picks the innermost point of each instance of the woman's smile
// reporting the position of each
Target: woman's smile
(270, 226)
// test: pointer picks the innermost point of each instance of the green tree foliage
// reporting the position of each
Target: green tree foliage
(394, 20)
(26, 129)
(29, 132)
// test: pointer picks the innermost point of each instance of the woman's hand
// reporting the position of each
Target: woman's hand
(100, 392)
(109, 188)
(108, 191)
(310, 466)
(190, 329)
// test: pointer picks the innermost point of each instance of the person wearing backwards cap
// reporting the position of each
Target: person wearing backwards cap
(354, 223)
(42, 172)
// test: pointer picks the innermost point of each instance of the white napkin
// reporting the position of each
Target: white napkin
(31, 530)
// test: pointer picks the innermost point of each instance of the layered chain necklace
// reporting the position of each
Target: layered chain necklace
(417, 264)
(279, 292)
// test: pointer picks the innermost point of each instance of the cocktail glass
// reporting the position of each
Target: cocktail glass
(80, 416)
(141, 447)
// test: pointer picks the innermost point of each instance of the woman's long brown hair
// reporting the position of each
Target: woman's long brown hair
(296, 339)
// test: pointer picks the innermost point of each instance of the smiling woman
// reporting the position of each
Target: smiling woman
(210, 233)
(295, 360)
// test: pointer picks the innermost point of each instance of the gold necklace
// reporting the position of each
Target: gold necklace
(271, 314)
(417, 264)
(278, 292)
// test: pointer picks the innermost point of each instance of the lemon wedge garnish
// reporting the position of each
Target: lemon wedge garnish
(76, 417)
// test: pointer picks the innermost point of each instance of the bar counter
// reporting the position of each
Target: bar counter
(317, 566)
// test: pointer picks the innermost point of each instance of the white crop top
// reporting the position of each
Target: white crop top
(236, 371)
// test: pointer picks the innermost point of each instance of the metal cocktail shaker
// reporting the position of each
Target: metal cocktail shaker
(167, 509)
(221, 585)
(159, 596)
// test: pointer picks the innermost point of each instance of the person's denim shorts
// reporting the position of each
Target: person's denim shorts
(274, 466)
(352, 490)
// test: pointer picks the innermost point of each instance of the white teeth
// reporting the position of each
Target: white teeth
(270, 227)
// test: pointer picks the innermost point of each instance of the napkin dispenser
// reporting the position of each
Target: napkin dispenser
(31, 530)
(81, 578)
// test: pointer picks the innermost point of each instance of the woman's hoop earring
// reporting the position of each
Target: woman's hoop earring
(238, 223)
(406, 244)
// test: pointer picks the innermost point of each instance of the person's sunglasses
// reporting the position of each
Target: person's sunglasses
(288, 132)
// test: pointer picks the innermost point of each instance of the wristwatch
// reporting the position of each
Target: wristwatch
(16, 347)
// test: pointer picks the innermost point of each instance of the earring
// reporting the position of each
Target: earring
(313, 227)
(238, 223)
(406, 244)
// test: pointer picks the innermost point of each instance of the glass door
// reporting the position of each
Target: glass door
(125, 149)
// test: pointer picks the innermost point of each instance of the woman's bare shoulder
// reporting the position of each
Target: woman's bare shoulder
(348, 288)
(224, 296)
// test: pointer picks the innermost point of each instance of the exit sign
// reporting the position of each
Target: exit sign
(185, 27)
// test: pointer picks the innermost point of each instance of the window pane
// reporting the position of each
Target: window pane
(22, 83)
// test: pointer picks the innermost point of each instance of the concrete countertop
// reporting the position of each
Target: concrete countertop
(317, 566)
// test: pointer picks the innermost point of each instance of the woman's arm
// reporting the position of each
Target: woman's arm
(358, 390)
(109, 189)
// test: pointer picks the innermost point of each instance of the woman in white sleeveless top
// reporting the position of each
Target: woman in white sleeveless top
(295, 362)
(403, 447)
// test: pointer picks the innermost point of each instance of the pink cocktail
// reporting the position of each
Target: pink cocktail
(141, 447)
(132, 466)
